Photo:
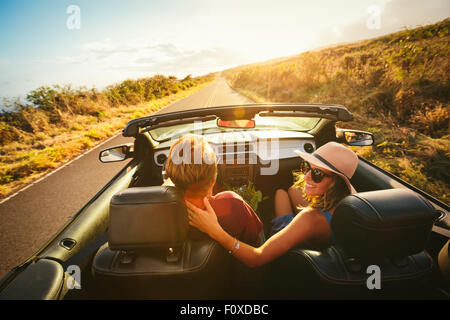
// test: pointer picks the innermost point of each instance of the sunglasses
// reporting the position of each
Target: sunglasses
(317, 175)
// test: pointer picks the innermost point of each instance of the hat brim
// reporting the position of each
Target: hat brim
(311, 159)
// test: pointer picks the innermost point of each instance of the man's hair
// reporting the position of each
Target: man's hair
(191, 164)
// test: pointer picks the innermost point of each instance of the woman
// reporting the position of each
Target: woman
(326, 175)
(192, 167)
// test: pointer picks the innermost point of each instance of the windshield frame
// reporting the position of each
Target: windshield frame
(237, 112)
(198, 127)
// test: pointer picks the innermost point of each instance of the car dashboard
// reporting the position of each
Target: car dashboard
(243, 155)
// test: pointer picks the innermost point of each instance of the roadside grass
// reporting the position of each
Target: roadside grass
(31, 155)
(397, 87)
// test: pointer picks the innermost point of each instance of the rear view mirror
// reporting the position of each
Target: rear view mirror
(355, 137)
(117, 153)
(235, 123)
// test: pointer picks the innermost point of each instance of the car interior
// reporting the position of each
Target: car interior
(159, 256)
(139, 244)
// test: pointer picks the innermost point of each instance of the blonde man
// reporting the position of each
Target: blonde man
(192, 167)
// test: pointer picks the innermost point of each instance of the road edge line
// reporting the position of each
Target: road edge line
(59, 168)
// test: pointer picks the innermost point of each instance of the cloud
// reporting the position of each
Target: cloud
(144, 58)
(100, 50)
(396, 15)
(209, 57)
(188, 62)
(4, 62)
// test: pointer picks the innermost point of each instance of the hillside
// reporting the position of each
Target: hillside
(397, 87)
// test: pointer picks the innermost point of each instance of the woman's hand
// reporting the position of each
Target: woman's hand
(204, 220)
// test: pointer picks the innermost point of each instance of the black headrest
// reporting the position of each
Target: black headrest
(385, 223)
(147, 217)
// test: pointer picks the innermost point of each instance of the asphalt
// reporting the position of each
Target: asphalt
(217, 93)
(30, 217)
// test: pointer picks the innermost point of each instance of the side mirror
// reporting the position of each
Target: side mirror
(355, 137)
(117, 153)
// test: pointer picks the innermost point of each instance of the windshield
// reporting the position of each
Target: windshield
(261, 123)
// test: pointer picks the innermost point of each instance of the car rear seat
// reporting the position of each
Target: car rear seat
(153, 254)
(388, 229)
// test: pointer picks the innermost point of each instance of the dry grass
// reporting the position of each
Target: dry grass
(33, 154)
(397, 86)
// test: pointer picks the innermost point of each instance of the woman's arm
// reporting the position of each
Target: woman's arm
(299, 230)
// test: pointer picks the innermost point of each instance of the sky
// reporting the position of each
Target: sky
(95, 43)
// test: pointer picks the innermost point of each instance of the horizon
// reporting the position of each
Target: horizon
(96, 44)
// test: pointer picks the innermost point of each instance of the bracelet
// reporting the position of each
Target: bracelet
(236, 246)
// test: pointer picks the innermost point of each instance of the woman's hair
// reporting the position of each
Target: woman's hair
(191, 164)
(337, 191)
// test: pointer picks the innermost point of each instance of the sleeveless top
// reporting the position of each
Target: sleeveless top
(328, 216)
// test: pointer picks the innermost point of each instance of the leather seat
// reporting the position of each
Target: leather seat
(444, 262)
(388, 229)
(153, 254)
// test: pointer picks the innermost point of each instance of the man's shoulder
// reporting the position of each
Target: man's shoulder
(228, 195)
(229, 198)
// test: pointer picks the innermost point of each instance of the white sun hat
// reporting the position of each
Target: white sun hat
(336, 158)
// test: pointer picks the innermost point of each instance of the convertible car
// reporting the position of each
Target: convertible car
(132, 239)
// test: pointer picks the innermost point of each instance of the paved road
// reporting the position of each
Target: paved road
(216, 94)
(30, 218)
